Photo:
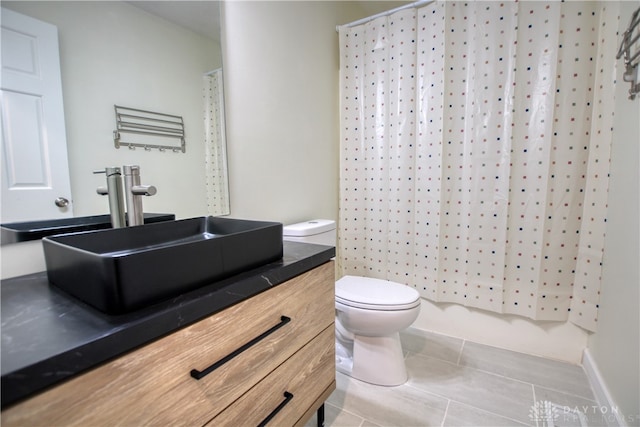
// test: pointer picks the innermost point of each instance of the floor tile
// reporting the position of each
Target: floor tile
(458, 383)
(336, 417)
(388, 406)
(461, 415)
(548, 373)
(493, 393)
(571, 410)
(432, 345)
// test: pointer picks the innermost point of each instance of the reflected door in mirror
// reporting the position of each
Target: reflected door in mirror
(34, 153)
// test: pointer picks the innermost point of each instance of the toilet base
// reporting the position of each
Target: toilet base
(344, 358)
(375, 360)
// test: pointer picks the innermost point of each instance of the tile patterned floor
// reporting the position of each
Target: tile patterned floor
(453, 382)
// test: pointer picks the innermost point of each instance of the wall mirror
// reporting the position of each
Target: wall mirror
(162, 56)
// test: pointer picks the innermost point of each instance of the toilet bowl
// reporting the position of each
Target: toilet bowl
(370, 313)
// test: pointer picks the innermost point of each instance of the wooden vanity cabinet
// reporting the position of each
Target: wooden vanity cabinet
(286, 335)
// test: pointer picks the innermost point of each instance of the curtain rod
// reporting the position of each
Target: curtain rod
(418, 3)
(212, 72)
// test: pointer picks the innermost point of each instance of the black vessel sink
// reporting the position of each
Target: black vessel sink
(35, 230)
(121, 270)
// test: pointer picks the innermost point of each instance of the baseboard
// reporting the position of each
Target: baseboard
(602, 395)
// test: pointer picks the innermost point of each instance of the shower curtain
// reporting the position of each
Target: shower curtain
(215, 145)
(475, 140)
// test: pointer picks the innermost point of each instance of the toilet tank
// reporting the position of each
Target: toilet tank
(318, 231)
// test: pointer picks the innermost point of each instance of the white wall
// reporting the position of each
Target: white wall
(114, 53)
(281, 79)
(281, 86)
(615, 347)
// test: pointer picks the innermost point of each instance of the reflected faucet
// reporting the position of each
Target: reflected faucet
(116, 198)
(133, 191)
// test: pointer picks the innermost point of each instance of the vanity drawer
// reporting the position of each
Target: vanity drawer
(305, 376)
(153, 385)
(307, 300)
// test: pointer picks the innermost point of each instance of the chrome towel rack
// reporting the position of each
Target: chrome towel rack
(142, 127)
(630, 50)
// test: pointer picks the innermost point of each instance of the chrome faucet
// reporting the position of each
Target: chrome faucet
(133, 191)
(116, 198)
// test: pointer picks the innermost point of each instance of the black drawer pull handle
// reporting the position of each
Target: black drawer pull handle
(287, 397)
(201, 374)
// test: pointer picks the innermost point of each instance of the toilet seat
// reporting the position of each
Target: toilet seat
(375, 294)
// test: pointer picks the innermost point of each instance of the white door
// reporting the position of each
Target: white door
(35, 169)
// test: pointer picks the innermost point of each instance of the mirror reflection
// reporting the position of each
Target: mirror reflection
(118, 53)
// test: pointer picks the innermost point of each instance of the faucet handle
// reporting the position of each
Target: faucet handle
(102, 191)
(109, 170)
(144, 190)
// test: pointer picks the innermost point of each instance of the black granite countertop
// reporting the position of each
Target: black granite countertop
(48, 336)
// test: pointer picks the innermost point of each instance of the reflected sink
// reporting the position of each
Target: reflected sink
(124, 269)
(35, 230)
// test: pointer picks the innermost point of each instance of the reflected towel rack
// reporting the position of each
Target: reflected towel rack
(630, 50)
(142, 127)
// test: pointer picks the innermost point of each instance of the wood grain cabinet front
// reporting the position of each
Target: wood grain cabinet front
(283, 334)
(284, 396)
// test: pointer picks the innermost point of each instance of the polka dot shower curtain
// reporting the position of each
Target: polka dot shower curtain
(215, 144)
(475, 142)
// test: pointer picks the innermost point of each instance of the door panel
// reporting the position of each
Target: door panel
(34, 147)
(24, 141)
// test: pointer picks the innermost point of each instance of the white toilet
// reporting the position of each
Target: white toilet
(370, 313)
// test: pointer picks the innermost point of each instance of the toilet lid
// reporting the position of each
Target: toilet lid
(376, 294)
